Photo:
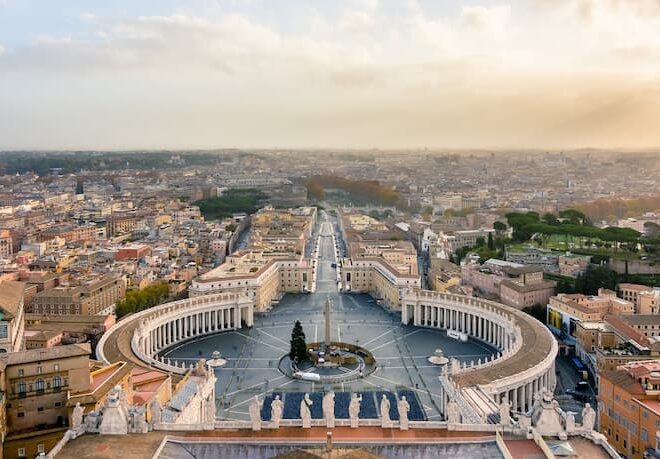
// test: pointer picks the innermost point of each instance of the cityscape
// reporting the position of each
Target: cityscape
(329, 230)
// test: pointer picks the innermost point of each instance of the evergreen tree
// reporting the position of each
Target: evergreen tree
(298, 351)
(491, 243)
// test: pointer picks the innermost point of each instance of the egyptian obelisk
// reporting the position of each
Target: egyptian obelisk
(328, 338)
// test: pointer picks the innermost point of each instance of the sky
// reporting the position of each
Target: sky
(151, 74)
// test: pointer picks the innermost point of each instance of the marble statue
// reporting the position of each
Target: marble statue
(155, 411)
(403, 407)
(329, 409)
(77, 420)
(385, 420)
(570, 423)
(588, 418)
(453, 413)
(276, 409)
(305, 412)
(255, 413)
(354, 410)
(115, 414)
(505, 412)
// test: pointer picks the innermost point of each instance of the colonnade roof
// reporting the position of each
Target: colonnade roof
(536, 346)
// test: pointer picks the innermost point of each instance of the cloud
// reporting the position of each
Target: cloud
(477, 76)
(491, 19)
(356, 21)
(88, 17)
(2, 50)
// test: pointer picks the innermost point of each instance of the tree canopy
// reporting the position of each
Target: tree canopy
(298, 351)
(231, 202)
(527, 224)
(359, 191)
(138, 300)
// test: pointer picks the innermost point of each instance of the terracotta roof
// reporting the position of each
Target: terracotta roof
(622, 379)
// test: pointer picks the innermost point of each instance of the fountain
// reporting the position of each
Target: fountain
(216, 360)
(438, 358)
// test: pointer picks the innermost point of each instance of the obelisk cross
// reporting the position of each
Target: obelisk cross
(328, 338)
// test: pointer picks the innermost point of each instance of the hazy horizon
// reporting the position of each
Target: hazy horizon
(350, 75)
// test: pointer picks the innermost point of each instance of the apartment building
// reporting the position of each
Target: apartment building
(6, 243)
(95, 297)
(68, 233)
(565, 311)
(514, 284)
(629, 397)
(12, 324)
(633, 293)
(38, 383)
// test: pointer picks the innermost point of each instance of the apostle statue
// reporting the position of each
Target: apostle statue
(385, 412)
(306, 411)
(276, 409)
(403, 407)
(329, 409)
(354, 410)
(255, 413)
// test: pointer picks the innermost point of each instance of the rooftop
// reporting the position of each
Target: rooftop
(40, 355)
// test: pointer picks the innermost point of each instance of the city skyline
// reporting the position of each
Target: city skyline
(350, 74)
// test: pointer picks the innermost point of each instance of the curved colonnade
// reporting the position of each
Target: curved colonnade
(527, 350)
(158, 328)
(524, 364)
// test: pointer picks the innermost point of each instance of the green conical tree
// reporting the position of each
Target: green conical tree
(298, 351)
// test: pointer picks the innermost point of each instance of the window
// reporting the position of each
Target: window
(21, 372)
(40, 448)
(21, 389)
(40, 408)
(21, 452)
(4, 330)
(20, 414)
(58, 404)
(40, 370)
(40, 386)
(645, 435)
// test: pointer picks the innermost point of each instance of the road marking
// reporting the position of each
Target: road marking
(396, 339)
(274, 337)
(380, 336)
(265, 344)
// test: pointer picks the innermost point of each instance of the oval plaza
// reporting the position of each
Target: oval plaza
(244, 310)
